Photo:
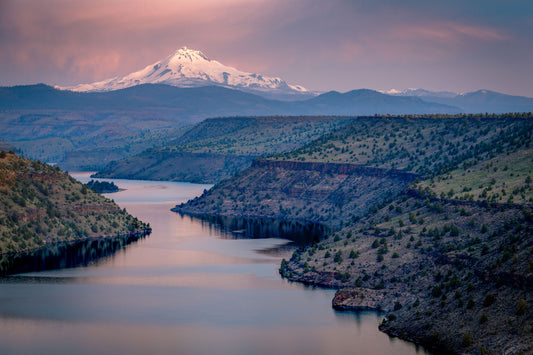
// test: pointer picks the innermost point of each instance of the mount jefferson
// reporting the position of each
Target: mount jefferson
(188, 68)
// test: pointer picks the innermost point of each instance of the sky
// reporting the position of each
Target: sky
(452, 45)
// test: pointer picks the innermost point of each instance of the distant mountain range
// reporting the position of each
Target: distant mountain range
(188, 68)
(122, 116)
(477, 101)
(419, 93)
(214, 101)
(197, 86)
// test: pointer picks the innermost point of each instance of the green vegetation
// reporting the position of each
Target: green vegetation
(255, 136)
(467, 340)
(449, 253)
(102, 186)
(217, 148)
(43, 205)
(425, 145)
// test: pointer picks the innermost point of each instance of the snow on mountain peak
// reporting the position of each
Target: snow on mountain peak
(191, 68)
(418, 93)
(186, 54)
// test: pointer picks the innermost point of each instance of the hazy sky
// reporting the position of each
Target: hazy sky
(458, 45)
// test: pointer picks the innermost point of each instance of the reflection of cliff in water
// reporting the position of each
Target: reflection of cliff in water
(235, 227)
(67, 254)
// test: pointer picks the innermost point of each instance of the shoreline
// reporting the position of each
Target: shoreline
(66, 254)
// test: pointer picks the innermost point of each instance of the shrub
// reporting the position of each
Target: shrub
(359, 282)
(521, 307)
(283, 269)
(338, 257)
(467, 340)
(391, 317)
(483, 318)
(489, 300)
(353, 254)
(470, 304)
(397, 306)
(436, 291)
(343, 277)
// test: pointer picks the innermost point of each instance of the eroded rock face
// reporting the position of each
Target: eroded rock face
(366, 299)
(337, 168)
(325, 193)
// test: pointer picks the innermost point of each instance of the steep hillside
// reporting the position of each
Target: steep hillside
(456, 277)
(325, 193)
(44, 208)
(443, 245)
(217, 148)
(384, 155)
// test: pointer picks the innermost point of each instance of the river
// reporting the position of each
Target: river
(186, 289)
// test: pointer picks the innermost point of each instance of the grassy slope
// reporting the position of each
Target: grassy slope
(42, 205)
(256, 135)
(435, 257)
(504, 178)
(217, 148)
(427, 146)
(453, 243)
(420, 145)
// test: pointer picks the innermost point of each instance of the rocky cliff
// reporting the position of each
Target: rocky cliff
(324, 193)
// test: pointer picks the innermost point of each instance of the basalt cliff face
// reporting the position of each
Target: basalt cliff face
(324, 193)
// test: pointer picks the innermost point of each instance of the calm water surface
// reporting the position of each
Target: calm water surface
(186, 289)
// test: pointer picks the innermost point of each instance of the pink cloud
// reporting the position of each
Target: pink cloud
(449, 32)
(96, 39)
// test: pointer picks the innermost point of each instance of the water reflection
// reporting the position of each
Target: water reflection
(66, 255)
(238, 227)
(185, 289)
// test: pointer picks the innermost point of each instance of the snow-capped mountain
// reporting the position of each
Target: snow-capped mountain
(191, 68)
(419, 93)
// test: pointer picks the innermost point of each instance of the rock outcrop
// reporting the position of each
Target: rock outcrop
(324, 193)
